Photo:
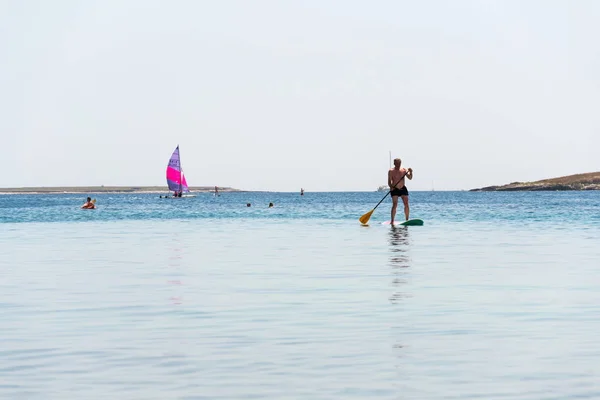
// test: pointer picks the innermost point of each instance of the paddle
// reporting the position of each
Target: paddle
(365, 218)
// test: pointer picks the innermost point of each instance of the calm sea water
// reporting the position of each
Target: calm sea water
(495, 297)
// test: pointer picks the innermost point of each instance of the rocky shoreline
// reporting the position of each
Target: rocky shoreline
(109, 189)
(587, 181)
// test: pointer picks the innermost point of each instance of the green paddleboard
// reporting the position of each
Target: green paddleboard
(410, 222)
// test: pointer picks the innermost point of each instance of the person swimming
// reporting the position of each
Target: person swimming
(89, 204)
(270, 205)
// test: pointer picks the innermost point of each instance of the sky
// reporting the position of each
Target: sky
(315, 94)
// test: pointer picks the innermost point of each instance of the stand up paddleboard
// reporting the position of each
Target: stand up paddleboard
(410, 222)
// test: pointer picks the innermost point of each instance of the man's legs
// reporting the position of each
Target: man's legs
(406, 208)
(394, 206)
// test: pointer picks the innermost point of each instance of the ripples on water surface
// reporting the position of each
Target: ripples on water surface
(145, 298)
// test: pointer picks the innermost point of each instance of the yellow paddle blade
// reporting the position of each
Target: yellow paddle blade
(365, 218)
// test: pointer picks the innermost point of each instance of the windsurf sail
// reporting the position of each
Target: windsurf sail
(175, 178)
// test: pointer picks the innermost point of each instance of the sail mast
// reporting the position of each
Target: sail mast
(180, 173)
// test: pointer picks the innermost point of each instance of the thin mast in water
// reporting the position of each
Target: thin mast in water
(180, 169)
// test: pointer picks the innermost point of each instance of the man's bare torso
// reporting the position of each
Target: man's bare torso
(397, 176)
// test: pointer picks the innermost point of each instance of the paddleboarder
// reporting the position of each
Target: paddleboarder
(396, 177)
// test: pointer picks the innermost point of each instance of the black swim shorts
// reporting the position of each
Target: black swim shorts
(403, 191)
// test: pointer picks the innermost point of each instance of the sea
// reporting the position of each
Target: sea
(496, 296)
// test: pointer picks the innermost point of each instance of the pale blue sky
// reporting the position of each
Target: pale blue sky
(278, 95)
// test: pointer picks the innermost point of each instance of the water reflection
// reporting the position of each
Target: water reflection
(399, 241)
(174, 265)
(399, 260)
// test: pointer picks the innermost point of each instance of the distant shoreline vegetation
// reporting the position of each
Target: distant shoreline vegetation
(111, 189)
(587, 181)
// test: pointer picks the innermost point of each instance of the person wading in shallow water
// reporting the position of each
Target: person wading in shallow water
(396, 177)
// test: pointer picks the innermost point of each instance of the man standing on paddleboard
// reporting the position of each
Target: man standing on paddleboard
(396, 177)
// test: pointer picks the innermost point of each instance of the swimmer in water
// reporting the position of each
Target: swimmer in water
(88, 204)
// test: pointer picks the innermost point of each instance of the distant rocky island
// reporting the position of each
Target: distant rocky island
(110, 189)
(588, 181)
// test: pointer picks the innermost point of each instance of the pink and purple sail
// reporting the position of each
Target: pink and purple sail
(175, 178)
